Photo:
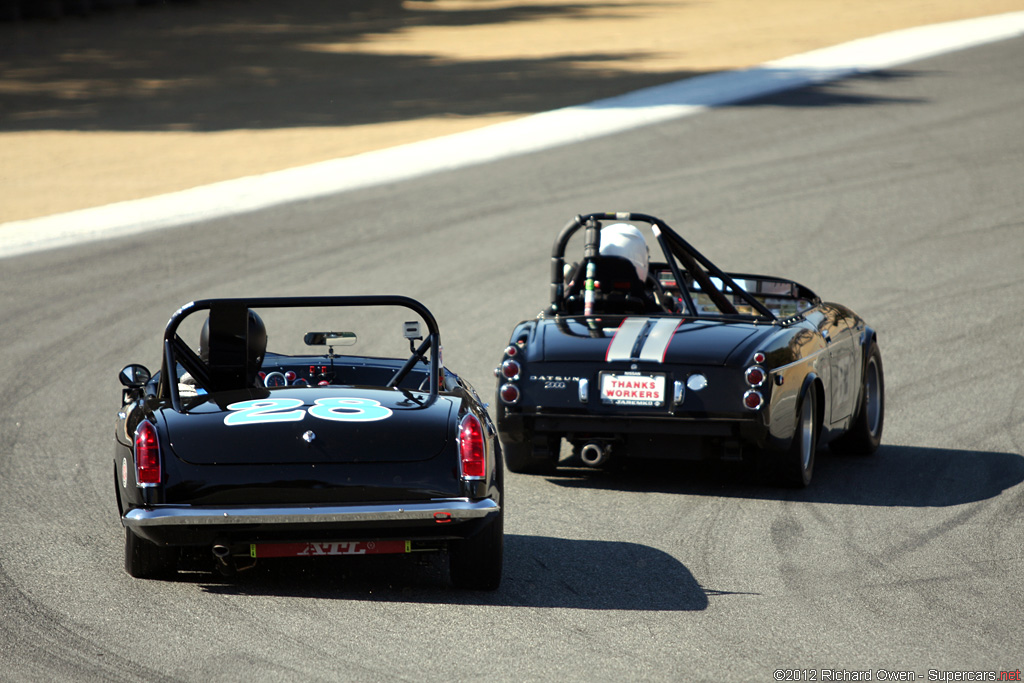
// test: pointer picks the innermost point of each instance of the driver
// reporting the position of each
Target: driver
(256, 349)
(626, 241)
(256, 342)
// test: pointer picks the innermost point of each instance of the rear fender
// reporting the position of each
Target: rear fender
(785, 406)
(866, 339)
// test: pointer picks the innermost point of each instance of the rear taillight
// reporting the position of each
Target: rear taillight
(510, 369)
(147, 455)
(471, 448)
(755, 376)
(753, 400)
(509, 393)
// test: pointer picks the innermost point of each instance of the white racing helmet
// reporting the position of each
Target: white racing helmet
(626, 241)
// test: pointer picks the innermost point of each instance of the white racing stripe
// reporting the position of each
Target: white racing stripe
(529, 134)
(621, 346)
(658, 337)
(658, 340)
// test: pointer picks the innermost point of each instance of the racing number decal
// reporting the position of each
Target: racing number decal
(349, 409)
(264, 411)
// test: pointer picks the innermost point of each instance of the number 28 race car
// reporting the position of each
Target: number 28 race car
(234, 453)
(677, 359)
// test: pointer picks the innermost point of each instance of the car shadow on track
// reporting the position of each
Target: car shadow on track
(903, 476)
(539, 571)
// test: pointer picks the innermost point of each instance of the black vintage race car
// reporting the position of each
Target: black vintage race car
(678, 359)
(234, 453)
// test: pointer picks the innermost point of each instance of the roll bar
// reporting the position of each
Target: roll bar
(675, 249)
(176, 350)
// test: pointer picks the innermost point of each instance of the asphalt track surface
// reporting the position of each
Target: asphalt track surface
(897, 193)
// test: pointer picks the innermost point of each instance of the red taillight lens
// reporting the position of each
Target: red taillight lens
(511, 351)
(510, 369)
(147, 455)
(509, 393)
(759, 357)
(753, 400)
(755, 376)
(471, 448)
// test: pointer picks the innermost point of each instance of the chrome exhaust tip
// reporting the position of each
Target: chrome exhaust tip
(224, 562)
(595, 455)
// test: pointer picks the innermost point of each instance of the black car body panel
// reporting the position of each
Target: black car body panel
(315, 449)
(416, 432)
(718, 368)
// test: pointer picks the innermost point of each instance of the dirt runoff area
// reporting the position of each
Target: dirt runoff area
(141, 100)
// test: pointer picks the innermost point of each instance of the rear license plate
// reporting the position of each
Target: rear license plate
(328, 549)
(632, 390)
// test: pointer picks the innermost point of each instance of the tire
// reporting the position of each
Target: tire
(796, 465)
(531, 455)
(475, 563)
(145, 560)
(865, 433)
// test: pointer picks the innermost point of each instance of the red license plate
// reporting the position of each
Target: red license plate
(329, 549)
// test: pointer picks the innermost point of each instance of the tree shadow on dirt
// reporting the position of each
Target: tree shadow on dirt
(901, 476)
(539, 571)
(221, 65)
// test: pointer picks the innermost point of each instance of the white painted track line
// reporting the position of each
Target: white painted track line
(529, 134)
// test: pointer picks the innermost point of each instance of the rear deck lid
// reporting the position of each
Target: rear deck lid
(660, 339)
(311, 425)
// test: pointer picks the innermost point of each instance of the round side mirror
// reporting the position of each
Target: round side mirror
(135, 376)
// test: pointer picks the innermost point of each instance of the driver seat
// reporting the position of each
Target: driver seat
(617, 289)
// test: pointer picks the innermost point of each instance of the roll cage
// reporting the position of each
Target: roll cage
(229, 331)
(690, 270)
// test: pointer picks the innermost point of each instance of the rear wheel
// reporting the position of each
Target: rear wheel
(475, 562)
(865, 433)
(145, 560)
(796, 465)
(533, 455)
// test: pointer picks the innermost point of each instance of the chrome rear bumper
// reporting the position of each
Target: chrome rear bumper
(449, 510)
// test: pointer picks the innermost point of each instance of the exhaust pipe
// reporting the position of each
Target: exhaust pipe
(595, 455)
(225, 563)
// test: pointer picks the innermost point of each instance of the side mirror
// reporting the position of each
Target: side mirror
(135, 376)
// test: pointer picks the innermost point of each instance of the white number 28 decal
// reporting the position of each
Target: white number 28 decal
(266, 410)
(349, 409)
